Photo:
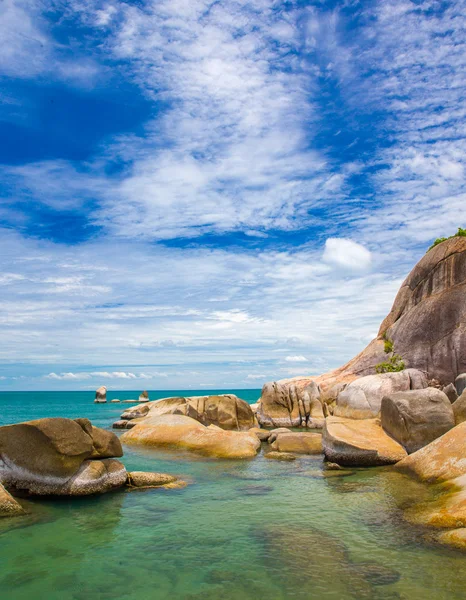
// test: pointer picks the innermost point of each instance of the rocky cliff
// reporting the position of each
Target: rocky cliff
(427, 323)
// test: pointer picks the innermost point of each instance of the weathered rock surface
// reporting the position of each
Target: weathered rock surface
(460, 383)
(288, 406)
(352, 442)
(285, 456)
(226, 411)
(459, 409)
(144, 396)
(298, 442)
(417, 417)
(51, 456)
(362, 398)
(262, 434)
(101, 395)
(9, 507)
(184, 432)
(450, 392)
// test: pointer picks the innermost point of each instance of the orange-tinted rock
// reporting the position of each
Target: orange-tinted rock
(298, 442)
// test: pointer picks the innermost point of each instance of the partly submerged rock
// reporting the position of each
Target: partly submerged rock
(285, 456)
(50, 456)
(144, 479)
(9, 507)
(101, 395)
(417, 417)
(274, 433)
(144, 396)
(362, 398)
(352, 442)
(298, 442)
(183, 432)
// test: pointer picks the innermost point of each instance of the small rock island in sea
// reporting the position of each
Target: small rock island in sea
(401, 403)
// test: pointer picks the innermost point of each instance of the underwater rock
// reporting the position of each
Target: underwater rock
(352, 442)
(274, 455)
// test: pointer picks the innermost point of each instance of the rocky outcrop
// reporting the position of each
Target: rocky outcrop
(363, 443)
(427, 324)
(9, 507)
(144, 479)
(298, 443)
(459, 409)
(60, 457)
(227, 411)
(416, 418)
(180, 431)
(288, 406)
(144, 396)
(101, 395)
(362, 398)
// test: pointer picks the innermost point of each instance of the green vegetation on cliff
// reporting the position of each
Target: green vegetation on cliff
(460, 233)
(394, 363)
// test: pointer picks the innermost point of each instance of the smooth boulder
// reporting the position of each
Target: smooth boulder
(289, 406)
(416, 418)
(362, 398)
(145, 479)
(459, 409)
(184, 432)
(460, 383)
(352, 442)
(451, 393)
(52, 456)
(298, 443)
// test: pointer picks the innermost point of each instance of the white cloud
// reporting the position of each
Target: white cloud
(346, 254)
(297, 358)
(254, 377)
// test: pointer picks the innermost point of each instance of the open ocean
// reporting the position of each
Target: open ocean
(241, 530)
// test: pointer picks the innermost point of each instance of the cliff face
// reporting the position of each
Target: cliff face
(427, 323)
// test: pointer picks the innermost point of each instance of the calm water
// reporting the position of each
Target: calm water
(241, 530)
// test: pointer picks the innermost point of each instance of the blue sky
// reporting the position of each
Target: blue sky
(214, 193)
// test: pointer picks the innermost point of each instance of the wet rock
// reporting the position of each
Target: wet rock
(101, 395)
(255, 490)
(455, 538)
(330, 466)
(120, 424)
(299, 443)
(351, 442)
(417, 417)
(143, 479)
(9, 507)
(135, 412)
(286, 456)
(183, 432)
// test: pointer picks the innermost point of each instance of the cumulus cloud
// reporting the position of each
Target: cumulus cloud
(346, 254)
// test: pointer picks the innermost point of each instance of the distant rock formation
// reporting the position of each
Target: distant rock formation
(144, 397)
(101, 395)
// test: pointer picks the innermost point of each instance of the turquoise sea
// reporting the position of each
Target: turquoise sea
(240, 530)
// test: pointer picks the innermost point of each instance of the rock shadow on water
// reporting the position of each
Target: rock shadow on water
(254, 490)
(306, 560)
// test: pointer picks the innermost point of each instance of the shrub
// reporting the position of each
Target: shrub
(460, 233)
(388, 346)
(394, 364)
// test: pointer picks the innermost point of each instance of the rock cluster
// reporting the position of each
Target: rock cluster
(226, 411)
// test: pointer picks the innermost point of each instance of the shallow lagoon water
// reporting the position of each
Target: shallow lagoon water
(240, 530)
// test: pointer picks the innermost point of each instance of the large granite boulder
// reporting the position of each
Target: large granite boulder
(352, 442)
(180, 431)
(288, 406)
(416, 418)
(52, 456)
(225, 410)
(362, 398)
(101, 395)
(459, 409)
(460, 383)
(298, 442)
(9, 507)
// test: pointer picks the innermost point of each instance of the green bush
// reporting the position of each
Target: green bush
(460, 233)
(394, 364)
(388, 346)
